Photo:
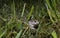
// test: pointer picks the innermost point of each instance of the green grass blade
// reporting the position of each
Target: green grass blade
(19, 34)
(23, 10)
(54, 34)
(30, 13)
(3, 33)
(13, 9)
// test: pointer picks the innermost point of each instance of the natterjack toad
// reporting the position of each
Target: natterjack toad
(33, 24)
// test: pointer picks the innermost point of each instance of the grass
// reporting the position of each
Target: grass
(14, 13)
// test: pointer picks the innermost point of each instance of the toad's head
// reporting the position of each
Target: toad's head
(33, 23)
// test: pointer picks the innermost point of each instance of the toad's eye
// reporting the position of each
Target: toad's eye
(35, 21)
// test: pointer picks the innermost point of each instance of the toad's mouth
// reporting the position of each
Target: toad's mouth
(36, 26)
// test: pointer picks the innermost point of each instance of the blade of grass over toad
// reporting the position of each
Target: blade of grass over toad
(19, 34)
(30, 13)
(23, 10)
